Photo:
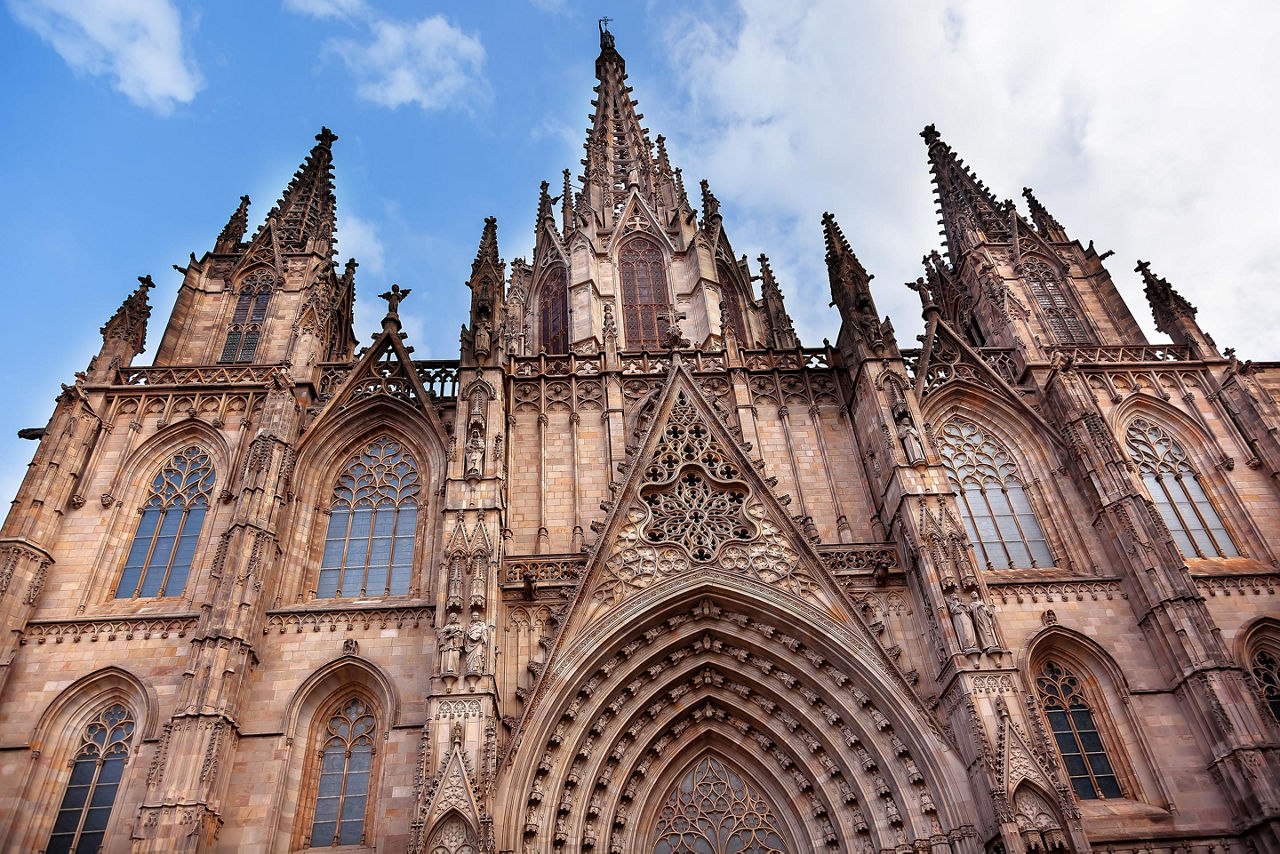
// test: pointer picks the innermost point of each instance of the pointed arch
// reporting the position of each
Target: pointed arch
(249, 315)
(453, 834)
(57, 744)
(646, 294)
(713, 805)
(551, 300)
(1062, 316)
(1083, 697)
(1174, 483)
(733, 302)
(699, 662)
(1258, 650)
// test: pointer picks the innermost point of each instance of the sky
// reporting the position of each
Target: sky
(131, 128)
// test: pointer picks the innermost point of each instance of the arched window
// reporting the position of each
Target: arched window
(1076, 734)
(368, 550)
(1046, 288)
(713, 810)
(246, 321)
(1264, 667)
(731, 306)
(95, 777)
(644, 294)
(1175, 488)
(165, 542)
(453, 837)
(997, 514)
(346, 763)
(553, 312)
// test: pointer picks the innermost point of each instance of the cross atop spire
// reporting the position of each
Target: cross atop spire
(970, 212)
(307, 211)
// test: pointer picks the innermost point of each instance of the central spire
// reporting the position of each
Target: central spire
(619, 153)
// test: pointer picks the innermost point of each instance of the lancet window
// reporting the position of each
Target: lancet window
(250, 313)
(1046, 287)
(645, 307)
(553, 311)
(95, 776)
(1076, 733)
(346, 764)
(368, 549)
(714, 811)
(165, 541)
(731, 306)
(1264, 667)
(997, 513)
(1175, 488)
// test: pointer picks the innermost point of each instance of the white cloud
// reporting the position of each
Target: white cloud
(1147, 133)
(136, 42)
(430, 63)
(358, 239)
(327, 8)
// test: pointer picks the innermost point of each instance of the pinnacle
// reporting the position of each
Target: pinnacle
(836, 242)
(307, 209)
(710, 204)
(1046, 223)
(129, 323)
(233, 231)
(487, 253)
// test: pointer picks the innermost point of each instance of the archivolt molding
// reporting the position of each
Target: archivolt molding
(763, 688)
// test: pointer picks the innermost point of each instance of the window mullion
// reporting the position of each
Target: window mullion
(151, 550)
(1182, 519)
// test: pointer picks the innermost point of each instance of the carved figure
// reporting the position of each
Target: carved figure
(909, 436)
(450, 638)
(394, 297)
(962, 622)
(983, 622)
(483, 338)
(477, 645)
(475, 452)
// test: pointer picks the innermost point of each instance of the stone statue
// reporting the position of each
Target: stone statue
(911, 444)
(477, 644)
(483, 341)
(394, 297)
(450, 639)
(962, 622)
(475, 452)
(983, 622)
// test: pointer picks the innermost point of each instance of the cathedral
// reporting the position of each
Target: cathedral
(638, 571)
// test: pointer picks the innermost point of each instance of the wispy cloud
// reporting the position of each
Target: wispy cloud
(430, 62)
(1144, 134)
(357, 238)
(138, 43)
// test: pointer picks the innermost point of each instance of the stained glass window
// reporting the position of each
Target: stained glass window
(165, 542)
(553, 312)
(368, 550)
(1076, 733)
(346, 760)
(1046, 289)
(644, 294)
(1175, 488)
(95, 776)
(1001, 524)
(250, 313)
(1265, 669)
(712, 810)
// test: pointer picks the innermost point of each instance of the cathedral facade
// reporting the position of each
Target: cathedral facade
(638, 571)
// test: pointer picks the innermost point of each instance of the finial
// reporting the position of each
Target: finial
(145, 283)
(394, 298)
(930, 135)
(606, 37)
(326, 137)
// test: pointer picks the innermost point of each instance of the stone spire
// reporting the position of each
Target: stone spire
(619, 153)
(305, 216)
(1049, 227)
(566, 205)
(129, 324)
(970, 213)
(710, 205)
(1174, 315)
(233, 232)
(782, 334)
(850, 287)
(486, 284)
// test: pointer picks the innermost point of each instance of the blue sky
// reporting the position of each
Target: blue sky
(133, 126)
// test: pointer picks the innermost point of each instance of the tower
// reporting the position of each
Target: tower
(637, 571)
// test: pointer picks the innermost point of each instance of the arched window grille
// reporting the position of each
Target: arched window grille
(95, 776)
(368, 549)
(165, 542)
(1076, 733)
(644, 294)
(1175, 488)
(553, 311)
(1264, 667)
(732, 306)
(713, 810)
(246, 321)
(346, 763)
(1046, 288)
(1001, 524)
(453, 837)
